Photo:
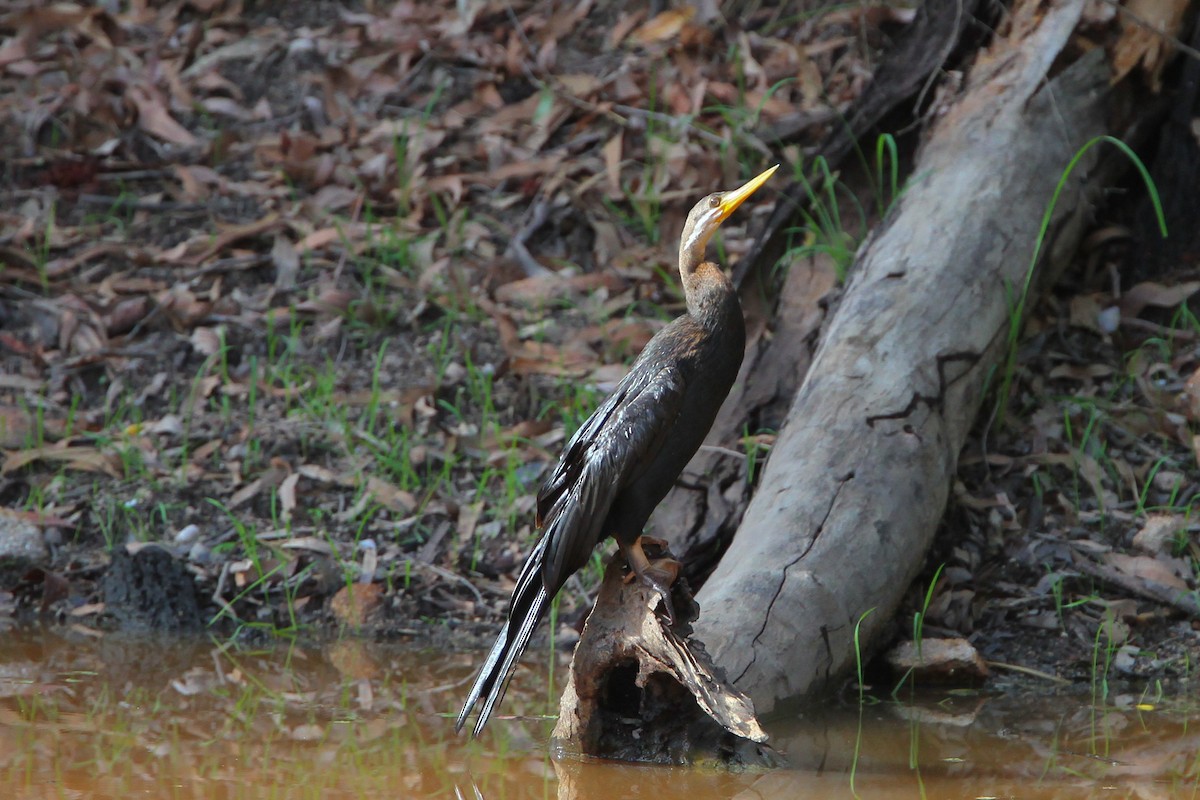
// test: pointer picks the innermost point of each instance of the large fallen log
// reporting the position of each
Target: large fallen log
(858, 479)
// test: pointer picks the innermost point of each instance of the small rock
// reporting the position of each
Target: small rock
(1109, 320)
(187, 535)
(199, 554)
(20, 540)
(1125, 660)
(940, 661)
(353, 604)
(1167, 480)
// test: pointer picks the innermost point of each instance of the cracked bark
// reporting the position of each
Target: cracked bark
(899, 375)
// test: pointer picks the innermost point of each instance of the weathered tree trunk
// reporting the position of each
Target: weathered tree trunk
(858, 479)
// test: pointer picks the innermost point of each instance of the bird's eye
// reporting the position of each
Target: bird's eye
(714, 201)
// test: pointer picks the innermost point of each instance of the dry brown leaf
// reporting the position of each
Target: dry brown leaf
(206, 341)
(1147, 569)
(666, 25)
(1191, 397)
(310, 543)
(194, 187)
(154, 118)
(319, 239)
(626, 23)
(287, 496)
(239, 48)
(287, 263)
(391, 497)
(226, 107)
(126, 314)
(247, 492)
(236, 233)
(87, 610)
(612, 164)
(1157, 295)
(1146, 33)
(1085, 310)
(20, 426)
(323, 475)
(538, 291)
(557, 364)
(329, 301)
(77, 457)
(527, 429)
(581, 85)
(468, 518)
(333, 199)
(182, 307)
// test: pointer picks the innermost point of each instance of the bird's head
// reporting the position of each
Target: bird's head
(709, 213)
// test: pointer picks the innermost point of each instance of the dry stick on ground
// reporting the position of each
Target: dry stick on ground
(1142, 587)
(858, 479)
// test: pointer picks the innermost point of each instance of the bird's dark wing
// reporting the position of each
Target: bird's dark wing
(612, 448)
(610, 452)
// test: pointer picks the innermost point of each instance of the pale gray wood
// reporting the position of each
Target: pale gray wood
(858, 478)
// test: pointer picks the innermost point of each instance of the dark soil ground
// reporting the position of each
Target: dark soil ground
(310, 295)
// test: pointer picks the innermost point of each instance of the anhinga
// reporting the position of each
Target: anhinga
(620, 464)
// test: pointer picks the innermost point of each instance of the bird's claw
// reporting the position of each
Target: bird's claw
(661, 576)
(663, 587)
(658, 573)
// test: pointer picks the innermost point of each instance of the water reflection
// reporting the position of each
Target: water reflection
(108, 717)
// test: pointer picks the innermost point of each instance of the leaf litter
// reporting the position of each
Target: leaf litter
(346, 276)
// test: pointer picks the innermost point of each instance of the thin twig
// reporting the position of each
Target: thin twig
(516, 244)
(1150, 590)
(1035, 673)
(450, 576)
(723, 451)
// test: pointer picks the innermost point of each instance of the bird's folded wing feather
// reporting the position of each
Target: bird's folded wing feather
(610, 452)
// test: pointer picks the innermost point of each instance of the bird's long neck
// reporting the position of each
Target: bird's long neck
(709, 293)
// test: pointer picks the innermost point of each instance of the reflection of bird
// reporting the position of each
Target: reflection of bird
(620, 464)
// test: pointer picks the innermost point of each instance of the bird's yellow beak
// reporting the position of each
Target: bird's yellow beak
(731, 200)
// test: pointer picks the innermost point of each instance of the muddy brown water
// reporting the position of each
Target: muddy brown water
(86, 717)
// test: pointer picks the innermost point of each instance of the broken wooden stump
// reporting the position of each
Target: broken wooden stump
(638, 690)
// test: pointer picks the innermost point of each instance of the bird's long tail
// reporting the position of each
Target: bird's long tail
(529, 604)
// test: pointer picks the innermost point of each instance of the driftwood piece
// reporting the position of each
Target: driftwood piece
(638, 690)
(858, 479)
